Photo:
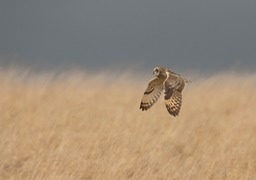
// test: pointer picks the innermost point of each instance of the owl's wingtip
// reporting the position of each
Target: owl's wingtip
(172, 112)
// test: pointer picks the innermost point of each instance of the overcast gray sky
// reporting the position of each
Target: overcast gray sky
(204, 35)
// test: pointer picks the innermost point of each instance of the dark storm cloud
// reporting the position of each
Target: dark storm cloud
(203, 35)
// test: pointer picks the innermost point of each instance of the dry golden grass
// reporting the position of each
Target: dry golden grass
(79, 127)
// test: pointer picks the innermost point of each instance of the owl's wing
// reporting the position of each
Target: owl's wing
(152, 93)
(172, 95)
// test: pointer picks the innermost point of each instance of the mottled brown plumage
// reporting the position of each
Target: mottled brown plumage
(171, 83)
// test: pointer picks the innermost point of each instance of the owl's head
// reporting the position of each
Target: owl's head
(159, 71)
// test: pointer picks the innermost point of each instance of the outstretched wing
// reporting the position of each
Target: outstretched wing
(152, 93)
(173, 104)
(172, 94)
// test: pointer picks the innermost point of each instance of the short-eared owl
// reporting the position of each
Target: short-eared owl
(171, 83)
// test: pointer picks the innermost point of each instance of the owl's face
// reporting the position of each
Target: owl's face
(159, 71)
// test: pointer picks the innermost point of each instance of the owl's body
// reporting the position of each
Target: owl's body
(171, 83)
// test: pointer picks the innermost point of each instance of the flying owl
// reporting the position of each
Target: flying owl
(171, 83)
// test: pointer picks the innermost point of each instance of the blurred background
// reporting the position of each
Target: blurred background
(196, 36)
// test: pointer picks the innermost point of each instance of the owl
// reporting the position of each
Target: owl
(171, 83)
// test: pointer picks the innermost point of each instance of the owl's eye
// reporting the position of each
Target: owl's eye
(156, 72)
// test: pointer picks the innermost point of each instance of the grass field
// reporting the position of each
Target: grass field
(74, 126)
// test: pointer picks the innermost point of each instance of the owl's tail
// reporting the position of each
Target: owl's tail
(187, 80)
